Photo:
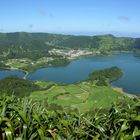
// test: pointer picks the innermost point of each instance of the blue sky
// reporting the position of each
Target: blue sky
(119, 17)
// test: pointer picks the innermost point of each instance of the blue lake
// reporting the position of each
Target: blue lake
(79, 70)
(5, 73)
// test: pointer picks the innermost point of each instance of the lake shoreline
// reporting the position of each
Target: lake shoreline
(83, 64)
(20, 70)
(121, 90)
(70, 60)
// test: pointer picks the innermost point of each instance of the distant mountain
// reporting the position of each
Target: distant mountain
(22, 44)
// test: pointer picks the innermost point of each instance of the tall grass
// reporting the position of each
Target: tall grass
(24, 119)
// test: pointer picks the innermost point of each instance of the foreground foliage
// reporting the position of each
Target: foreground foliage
(24, 119)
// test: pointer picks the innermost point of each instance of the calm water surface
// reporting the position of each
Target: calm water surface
(5, 73)
(79, 70)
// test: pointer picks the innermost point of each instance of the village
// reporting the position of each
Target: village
(73, 53)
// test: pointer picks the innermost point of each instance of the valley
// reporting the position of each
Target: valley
(85, 96)
(30, 51)
(69, 70)
(64, 87)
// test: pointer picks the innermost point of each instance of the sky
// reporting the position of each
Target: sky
(80, 17)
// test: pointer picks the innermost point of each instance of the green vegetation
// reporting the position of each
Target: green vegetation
(49, 111)
(28, 120)
(36, 45)
(2, 65)
(87, 110)
(15, 86)
(30, 65)
(85, 95)
(59, 61)
(102, 77)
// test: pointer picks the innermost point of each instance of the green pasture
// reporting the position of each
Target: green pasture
(84, 95)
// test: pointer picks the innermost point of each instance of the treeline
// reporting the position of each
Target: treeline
(13, 85)
(105, 76)
(2, 65)
(59, 61)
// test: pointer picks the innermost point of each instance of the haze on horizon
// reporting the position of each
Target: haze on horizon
(80, 17)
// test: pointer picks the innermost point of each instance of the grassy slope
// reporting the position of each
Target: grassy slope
(84, 96)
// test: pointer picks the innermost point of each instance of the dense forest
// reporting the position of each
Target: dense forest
(36, 45)
(2, 65)
(13, 85)
(103, 77)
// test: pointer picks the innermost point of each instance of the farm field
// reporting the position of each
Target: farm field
(84, 96)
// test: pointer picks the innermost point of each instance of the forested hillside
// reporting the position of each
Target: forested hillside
(102, 77)
(16, 86)
(36, 45)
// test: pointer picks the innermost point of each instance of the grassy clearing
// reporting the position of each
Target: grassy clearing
(84, 95)
(18, 63)
(26, 64)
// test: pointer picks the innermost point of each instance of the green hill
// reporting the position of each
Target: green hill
(36, 45)
(84, 95)
(103, 77)
(16, 86)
